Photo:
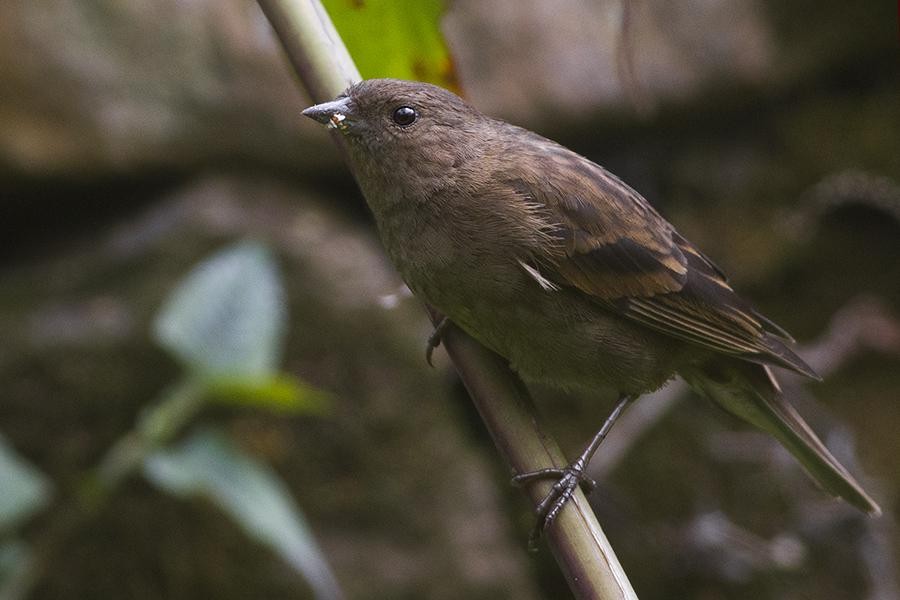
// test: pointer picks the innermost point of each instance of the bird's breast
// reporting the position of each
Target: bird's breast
(449, 263)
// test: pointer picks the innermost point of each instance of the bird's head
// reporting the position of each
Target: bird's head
(401, 125)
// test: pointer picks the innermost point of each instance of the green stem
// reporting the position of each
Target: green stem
(576, 539)
(585, 556)
(156, 426)
(313, 46)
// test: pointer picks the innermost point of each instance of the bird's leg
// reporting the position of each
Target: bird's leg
(568, 478)
(434, 340)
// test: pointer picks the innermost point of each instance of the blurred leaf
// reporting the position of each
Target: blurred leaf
(279, 392)
(228, 315)
(23, 489)
(209, 464)
(391, 38)
(15, 557)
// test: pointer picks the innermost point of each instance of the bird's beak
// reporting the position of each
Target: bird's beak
(332, 114)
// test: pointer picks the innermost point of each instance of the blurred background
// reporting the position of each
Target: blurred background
(264, 425)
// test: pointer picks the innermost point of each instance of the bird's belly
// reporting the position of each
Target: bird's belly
(557, 337)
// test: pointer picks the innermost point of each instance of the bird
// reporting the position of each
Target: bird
(557, 265)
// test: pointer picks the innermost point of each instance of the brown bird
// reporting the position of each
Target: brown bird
(554, 263)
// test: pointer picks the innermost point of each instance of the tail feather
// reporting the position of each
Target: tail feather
(750, 392)
(779, 353)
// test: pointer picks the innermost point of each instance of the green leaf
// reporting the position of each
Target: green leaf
(228, 316)
(23, 489)
(208, 464)
(279, 393)
(395, 38)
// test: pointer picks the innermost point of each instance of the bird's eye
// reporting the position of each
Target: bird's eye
(405, 116)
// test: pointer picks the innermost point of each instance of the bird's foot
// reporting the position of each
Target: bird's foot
(567, 480)
(434, 340)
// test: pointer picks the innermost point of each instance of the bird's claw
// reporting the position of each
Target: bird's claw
(567, 480)
(434, 340)
(587, 484)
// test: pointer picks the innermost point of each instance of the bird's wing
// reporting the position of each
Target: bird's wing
(613, 245)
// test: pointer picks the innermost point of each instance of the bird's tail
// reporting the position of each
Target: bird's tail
(751, 392)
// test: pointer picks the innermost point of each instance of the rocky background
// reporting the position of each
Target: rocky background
(138, 137)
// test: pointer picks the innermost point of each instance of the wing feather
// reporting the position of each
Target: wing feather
(612, 245)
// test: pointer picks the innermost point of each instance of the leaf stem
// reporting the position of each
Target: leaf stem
(155, 427)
